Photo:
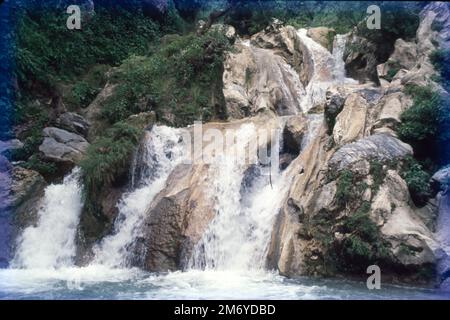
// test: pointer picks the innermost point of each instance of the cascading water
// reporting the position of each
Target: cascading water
(443, 236)
(228, 261)
(328, 69)
(51, 244)
(5, 212)
(339, 74)
(237, 238)
(163, 148)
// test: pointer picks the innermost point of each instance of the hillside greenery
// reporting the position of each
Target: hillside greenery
(181, 80)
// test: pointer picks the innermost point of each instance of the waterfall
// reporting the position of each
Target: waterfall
(238, 236)
(339, 63)
(443, 236)
(51, 243)
(5, 211)
(327, 69)
(162, 149)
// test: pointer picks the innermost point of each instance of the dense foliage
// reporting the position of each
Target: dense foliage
(421, 122)
(47, 52)
(107, 159)
(181, 81)
(363, 245)
(441, 62)
(418, 181)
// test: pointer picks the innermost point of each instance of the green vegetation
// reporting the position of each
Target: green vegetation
(421, 122)
(53, 62)
(183, 78)
(363, 245)
(418, 181)
(345, 187)
(423, 126)
(399, 20)
(441, 62)
(45, 168)
(84, 91)
(107, 160)
(378, 174)
(253, 16)
(394, 67)
(48, 53)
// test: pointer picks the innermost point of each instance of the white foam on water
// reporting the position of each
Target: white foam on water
(51, 243)
(163, 149)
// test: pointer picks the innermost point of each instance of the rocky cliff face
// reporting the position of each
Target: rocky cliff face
(347, 206)
(312, 234)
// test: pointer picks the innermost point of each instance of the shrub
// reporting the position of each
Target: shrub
(420, 123)
(182, 78)
(345, 184)
(108, 38)
(361, 225)
(108, 157)
(378, 174)
(37, 164)
(441, 63)
(106, 160)
(418, 181)
(83, 91)
(394, 67)
(362, 245)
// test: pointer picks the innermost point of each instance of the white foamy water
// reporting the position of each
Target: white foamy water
(51, 244)
(162, 150)
(443, 236)
(237, 239)
(327, 68)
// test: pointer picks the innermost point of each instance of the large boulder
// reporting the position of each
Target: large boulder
(259, 80)
(180, 214)
(63, 147)
(404, 57)
(27, 189)
(381, 147)
(360, 59)
(74, 123)
(177, 219)
(431, 34)
(392, 107)
(322, 35)
(9, 146)
(442, 178)
(351, 121)
(412, 243)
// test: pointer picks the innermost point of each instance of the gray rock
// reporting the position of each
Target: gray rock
(380, 147)
(322, 35)
(62, 146)
(293, 134)
(442, 177)
(10, 145)
(27, 189)
(73, 122)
